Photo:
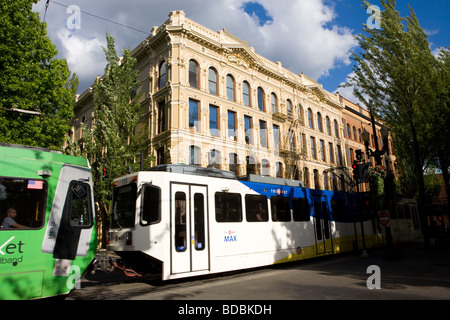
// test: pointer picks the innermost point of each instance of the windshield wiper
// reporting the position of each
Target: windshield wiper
(115, 217)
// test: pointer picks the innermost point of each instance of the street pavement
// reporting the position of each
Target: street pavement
(419, 274)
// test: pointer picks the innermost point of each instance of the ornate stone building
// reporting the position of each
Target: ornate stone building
(208, 99)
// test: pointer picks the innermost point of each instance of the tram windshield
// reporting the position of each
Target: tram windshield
(124, 206)
(22, 203)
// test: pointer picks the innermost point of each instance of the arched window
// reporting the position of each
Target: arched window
(335, 183)
(316, 179)
(296, 173)
(336, 129)
(325, 181)
(246, 93)
(354, 133)
(162, 81)
(348, 131)
(310, 119)
(319, 122)
(230, 87)
(234, 163)
(251, 165)
(291, 140)
(193, 74)
(261, 99)
(160, 158)
(273, 102)
(328, 124)
(265, 167)
(194, 155)
(279, 169)
(306, 177)
(212, 81)
(301, 115)
(289, 108)
(214, 159)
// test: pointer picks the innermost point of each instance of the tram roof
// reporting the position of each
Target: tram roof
(272, 180)
(195, 170)
(38, 153)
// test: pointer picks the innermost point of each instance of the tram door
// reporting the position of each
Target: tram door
(324, 243)
(189, 228)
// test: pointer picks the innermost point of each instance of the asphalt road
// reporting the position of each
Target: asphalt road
(420, 275)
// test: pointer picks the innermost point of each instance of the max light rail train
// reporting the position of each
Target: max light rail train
(187, 221)
(48, 198)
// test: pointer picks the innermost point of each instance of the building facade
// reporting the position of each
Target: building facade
(208, 99)
(355, 120)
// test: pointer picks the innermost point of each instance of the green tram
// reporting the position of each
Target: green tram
(47, 233)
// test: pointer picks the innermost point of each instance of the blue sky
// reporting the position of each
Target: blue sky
(310, 36)
(433, 16)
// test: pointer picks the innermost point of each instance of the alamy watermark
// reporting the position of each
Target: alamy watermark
(374, 20)
(374, 280)
(74, 279)
(74, 20)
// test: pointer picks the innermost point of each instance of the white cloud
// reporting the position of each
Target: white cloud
(302, 37)
(347, 92)
(302, 34)
(84, 56)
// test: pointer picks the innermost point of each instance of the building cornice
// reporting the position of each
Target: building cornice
(234, 50)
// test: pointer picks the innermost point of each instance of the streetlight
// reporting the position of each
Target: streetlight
(389, 179)
(377, 153)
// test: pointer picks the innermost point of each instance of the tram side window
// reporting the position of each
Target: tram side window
(318, 217)
(80, 204)
(151, 205)
(199, 221)
(180, 221)
(407, 212)
(228, 207)
(337, 210)
(256, 208)
(281, 210)
(400, 212)
(22, 203)
(300, 209)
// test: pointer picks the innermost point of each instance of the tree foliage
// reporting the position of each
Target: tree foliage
(32, 80)
(114, 141)
(398, 77)
(439, 139)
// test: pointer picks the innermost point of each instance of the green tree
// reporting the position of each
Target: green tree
(440, 107)
(393, 74)
(114, 141)
(36, 92)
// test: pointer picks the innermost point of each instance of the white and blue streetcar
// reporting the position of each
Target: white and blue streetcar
(188, 221)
